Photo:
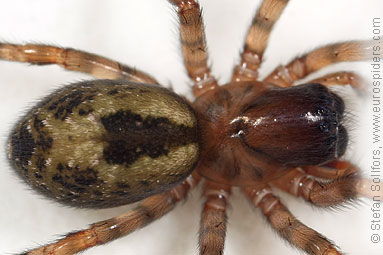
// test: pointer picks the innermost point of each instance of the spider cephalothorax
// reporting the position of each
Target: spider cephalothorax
(270, 131)
(123, 138)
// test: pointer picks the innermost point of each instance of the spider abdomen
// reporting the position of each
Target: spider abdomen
(106, 143)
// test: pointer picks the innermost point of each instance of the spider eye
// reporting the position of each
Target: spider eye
(299, 125)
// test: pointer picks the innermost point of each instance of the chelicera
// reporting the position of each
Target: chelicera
(243, 135)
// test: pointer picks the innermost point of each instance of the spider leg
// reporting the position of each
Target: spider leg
(287, 226)
(73, 60)
(286, 75)
(337, 169)
(194, 47)
(332, 170)
(102, 232)
(342, 78)
(213, 222)
(256, 40)
(345, 184)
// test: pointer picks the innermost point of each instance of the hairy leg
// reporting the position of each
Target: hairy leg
(287, 226)
(73, 60)
(337, 169)
(286, 75)
(257, 38)
(342, 78)
(345, 184)
(193, 42)
(332, 170)
(213, 222)
(102, 232)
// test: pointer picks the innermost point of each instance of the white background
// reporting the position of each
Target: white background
(143, 33)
